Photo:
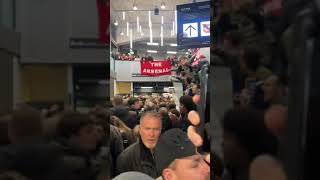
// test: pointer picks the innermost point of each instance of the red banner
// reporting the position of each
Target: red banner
(104, 19)
(197, 57)
(156, 68)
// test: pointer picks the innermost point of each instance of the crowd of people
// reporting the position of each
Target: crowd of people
(54, 144)
(248, 41)
(125, 56)
(154, 137)
(141, 122)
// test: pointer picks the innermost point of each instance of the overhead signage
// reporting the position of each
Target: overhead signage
(193, 25)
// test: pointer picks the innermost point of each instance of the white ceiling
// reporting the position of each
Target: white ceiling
(119, 6)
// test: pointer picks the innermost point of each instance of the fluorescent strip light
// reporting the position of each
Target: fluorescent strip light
(123, 15)
(171, 52)
(146, 87)
(151, 35)
(150, 19)
(152, 44)
(161, 19)
(176, 26)
(161, 35)
(138, 26)
(173, 28)
(128, 29)
(130, 38)
(150, 26)
(175, 45)
(152, 51)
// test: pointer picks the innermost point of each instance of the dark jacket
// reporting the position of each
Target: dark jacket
(122, 112)
(137, 157)
(166, 123)
(36, 161)
(116, 147)
(82, 164)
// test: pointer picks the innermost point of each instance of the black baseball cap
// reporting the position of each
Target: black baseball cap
(173, 144)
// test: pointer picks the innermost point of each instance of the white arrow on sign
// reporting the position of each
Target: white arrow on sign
(190, 30)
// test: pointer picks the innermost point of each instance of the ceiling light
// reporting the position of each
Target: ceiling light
(128, 29)
(135, 7)
(152, 51)
(176, 20)
(152, 44)
(138, 26)
(121, 33)
(163, 5)
(123, 15)
(175, 45)
(116, 22)
(145, 87)
(171, 52)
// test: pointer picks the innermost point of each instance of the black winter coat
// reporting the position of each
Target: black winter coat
(137, 157)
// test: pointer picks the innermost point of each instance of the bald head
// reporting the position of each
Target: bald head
(266, 167)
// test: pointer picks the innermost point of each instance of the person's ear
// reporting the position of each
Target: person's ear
(168, 174)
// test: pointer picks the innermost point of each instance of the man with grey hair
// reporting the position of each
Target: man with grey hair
(140, 155)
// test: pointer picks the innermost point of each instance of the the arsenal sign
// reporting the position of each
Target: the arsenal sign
(156, 68)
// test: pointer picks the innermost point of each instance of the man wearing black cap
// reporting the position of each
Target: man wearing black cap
(177, 159)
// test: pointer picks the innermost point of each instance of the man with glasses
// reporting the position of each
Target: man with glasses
(140, 155)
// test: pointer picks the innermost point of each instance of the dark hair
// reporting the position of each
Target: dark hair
(162, 104)
(26, 123)
(198, 86)
(248, 127)
(171, 106)
(175, 112)
(251, 57)
(102, 118)
(132, 100)
(71, 122)
(188, 103)
(189, 80)
(163, 111)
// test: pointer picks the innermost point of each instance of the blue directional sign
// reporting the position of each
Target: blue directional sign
(193, 25)
(190, 30)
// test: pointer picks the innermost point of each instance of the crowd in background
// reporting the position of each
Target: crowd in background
(54, 144)
(124, 56)
(248, 41)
